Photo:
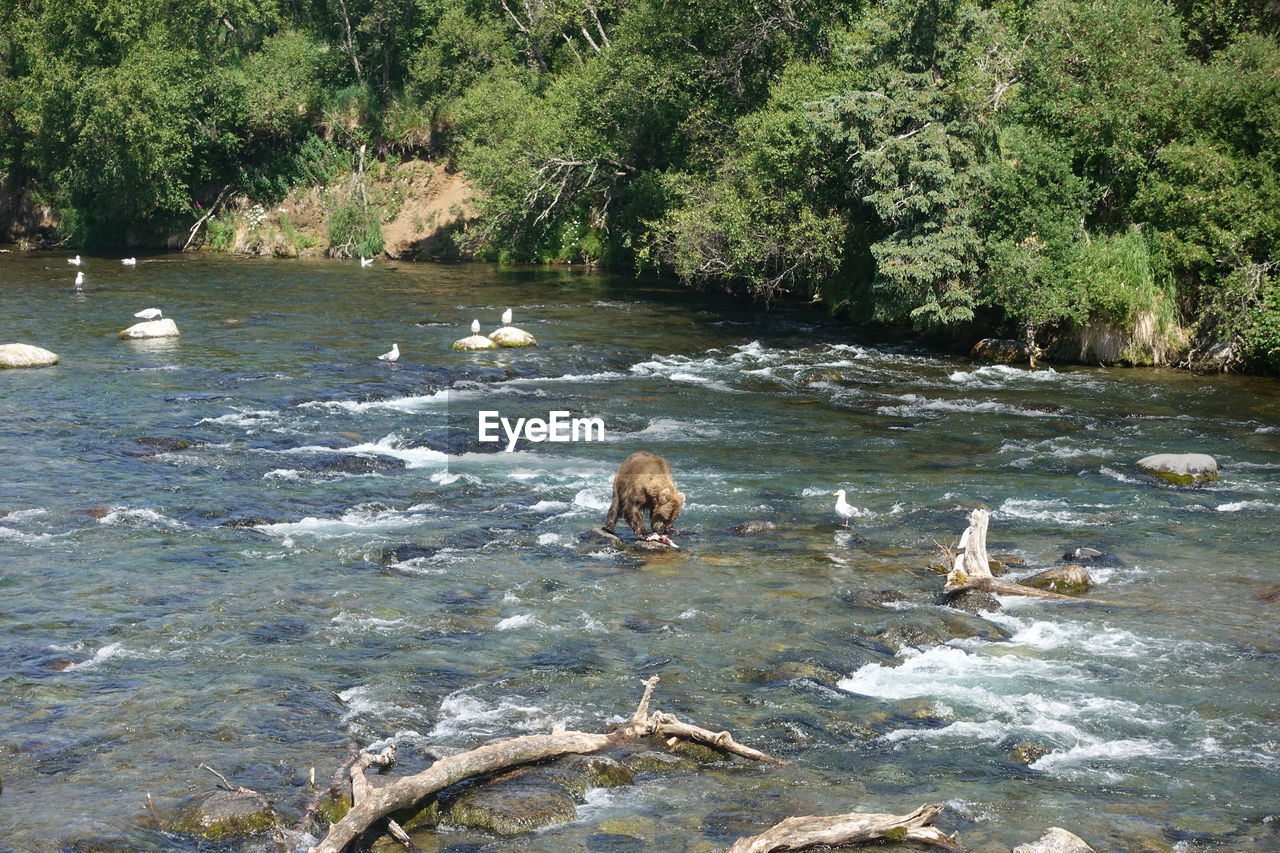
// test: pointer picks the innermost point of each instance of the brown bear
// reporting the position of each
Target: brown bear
(643, 484)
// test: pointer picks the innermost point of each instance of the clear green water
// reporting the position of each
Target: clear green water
(136, 645)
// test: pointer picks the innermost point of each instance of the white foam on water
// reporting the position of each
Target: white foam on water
(15, 535)
(389, 445)
(242, 418)
(355, 623)
(551, 539)
(1056, 510)
(520, 620)
(102, 655)
(914, 405)
(1089, 758)
(590, 623)
(1117, 475)
(464, 715)
(411, 404)
(358, 521)
(594, 499)
(673, 428)
(140, 518)
(1002, 376)
(1239, 506)
(283, 474)
(24, 514)
(550, 506)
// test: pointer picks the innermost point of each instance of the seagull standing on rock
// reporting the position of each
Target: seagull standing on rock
(843, 508)
(506, 317)
(149, 313)
(391, 355)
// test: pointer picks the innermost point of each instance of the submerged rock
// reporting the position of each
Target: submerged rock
(591, 541)
(1055, 840)
(26, 355)
(393, 554)
(1181, 469)
(1028, 752)
(653, 761)
(1001, 351)
(1069, 580)
(223, 815)
(153, 446)
(754, 526)
(510, 336)
(972, 601)
(162, 328)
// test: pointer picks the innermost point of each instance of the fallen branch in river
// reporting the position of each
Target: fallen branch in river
(373, 804)
(803, 833)
(972, 568)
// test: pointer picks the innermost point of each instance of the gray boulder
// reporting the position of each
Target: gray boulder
(754, 526)
(25, 355)
(1181, 469)
(162, 328)
(223, 815)
(1068, 580)
(1055, 840)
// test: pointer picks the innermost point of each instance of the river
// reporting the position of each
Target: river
(192, 567)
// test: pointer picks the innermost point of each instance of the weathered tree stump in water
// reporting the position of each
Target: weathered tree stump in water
(802, 833)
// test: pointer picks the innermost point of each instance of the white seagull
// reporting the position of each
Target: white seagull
(149, 313)
(506, 317)
(475, 327)
(366, 262)
(79, 281)
(392, 355)
(129, 262)
(75, 262)
(843, 508)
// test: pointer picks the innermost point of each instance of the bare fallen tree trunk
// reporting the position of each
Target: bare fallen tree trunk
(972, 567)
(371, 805)
(803, 833)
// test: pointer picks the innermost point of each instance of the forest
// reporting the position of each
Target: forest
(1034, 168)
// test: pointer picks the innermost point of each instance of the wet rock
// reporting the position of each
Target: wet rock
(653, 761)
(404, 552)
(510, 336)
(699, 752)
(1068, 580)
(1084, 554)
(1181, 469)
(787, 670)
(1055, 840)
(592, 541)
(1001, 351)
(25, 355)
(821, 375)
(250, 521)
(804, 729)
(472, 342)
(223, 815)
(956, 626)
(162, 328)
(1028, 752)
(651, 546)
(283, 631)
(614, 842)
(1270, 595)
(577, 774)
(972, 601)
(96, 511)
(350, 463)
(754, 526)
(153, 446)
(899, 637)
(873, 600)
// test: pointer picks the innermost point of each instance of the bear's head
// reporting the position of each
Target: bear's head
(666, 510)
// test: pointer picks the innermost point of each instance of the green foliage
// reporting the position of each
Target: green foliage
(355, 230)
(282, 85)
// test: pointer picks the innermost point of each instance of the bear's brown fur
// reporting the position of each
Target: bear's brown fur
(643, 484)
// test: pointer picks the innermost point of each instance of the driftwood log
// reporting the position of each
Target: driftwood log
(373, 804)
(971, 568)
(805, 833)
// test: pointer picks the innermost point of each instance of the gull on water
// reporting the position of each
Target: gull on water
(366, 262)
(149, 313)
(79, 281)
(75, 262)
(843, 508)
(506, 317)
(392, 354)
(129, 262)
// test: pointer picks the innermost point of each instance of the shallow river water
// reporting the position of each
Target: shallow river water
(194, 560)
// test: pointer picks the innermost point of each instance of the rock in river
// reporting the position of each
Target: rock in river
(1181, 469)
(1000, 350)
(162, 328)
(1055, 840)
(1069, 580)
(222, 815)
(26, 355)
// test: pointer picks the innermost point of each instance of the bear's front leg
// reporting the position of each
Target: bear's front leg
(635, 518)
